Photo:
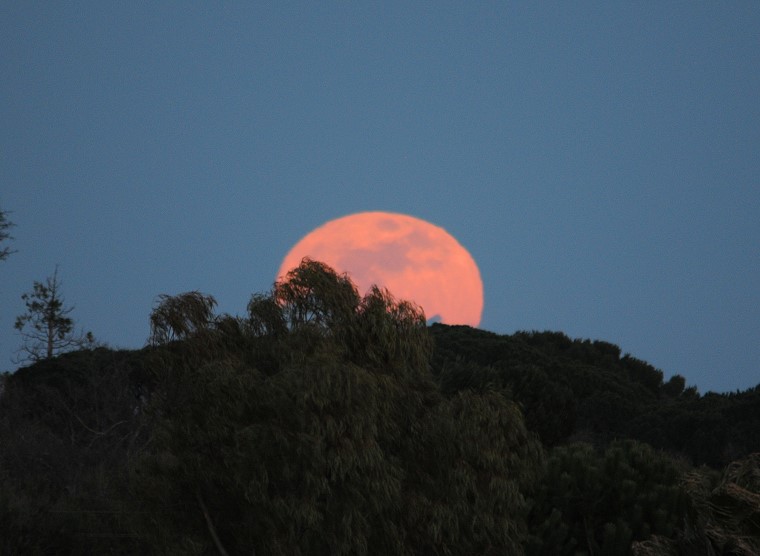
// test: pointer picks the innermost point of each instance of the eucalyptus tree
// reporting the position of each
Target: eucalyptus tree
(337, 441)
(180, 316)
(313, 294)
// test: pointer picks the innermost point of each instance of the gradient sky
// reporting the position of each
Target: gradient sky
(601, 161)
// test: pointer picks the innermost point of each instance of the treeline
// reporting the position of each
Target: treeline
(325, 422)
(585, 390)
(633, 462)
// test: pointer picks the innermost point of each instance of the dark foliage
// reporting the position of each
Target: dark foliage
(323, 422)
(313, 426)
(583, 390)
(5, 226)
(69, 430)
(598, 502)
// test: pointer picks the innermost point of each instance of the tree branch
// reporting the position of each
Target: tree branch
(210, 524)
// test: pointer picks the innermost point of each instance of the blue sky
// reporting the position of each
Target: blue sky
(601, 161)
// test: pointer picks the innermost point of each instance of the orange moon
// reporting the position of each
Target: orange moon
(415, 260)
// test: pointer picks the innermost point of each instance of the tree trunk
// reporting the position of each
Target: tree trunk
(50, 338)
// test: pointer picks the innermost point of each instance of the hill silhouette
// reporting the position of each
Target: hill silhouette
(582, 389)
(325, 422)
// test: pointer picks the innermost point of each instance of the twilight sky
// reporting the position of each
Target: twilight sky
(600, 161)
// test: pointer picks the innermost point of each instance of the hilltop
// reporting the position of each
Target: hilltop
(575, 389)
(323, 422)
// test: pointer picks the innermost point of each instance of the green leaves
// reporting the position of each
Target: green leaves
(600, 501)
(474, 465)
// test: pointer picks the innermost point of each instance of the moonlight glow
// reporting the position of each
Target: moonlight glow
(414, 259)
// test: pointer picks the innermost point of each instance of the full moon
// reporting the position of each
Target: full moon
(414, 259)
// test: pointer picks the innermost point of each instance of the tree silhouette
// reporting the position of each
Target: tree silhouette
(5, 225)
(46, 329)
(324, 422)
(314, 295)
(321, 431)
(180, 316)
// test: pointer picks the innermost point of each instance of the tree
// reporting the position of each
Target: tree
(46, 329)
(5, 225)
(594, 501)
(724, 518)
(324, 433)
(180, 316)
(314, 295)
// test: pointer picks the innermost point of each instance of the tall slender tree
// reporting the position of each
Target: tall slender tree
(46, 328)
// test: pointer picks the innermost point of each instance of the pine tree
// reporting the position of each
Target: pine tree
(46, 328)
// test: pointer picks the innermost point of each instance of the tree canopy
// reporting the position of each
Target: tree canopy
(322, 421)
(338, 441)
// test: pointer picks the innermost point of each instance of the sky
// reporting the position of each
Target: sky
(599, 160)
